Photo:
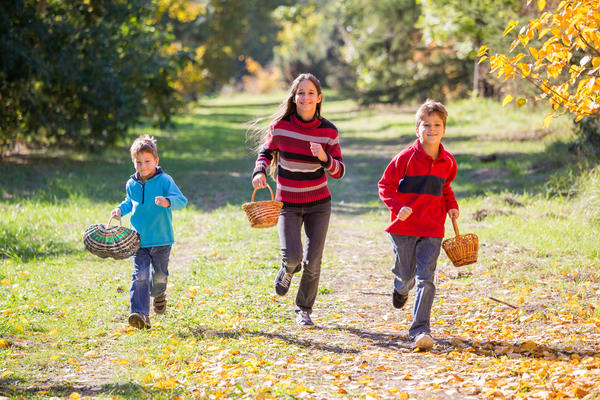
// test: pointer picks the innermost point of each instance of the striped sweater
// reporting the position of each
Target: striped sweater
(416, 180)
(301, 178)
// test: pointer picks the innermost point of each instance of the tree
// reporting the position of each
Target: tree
(80, 73)
(220, 35)
(464, 25)
(563, 65)
(311, 39)
(381, 39)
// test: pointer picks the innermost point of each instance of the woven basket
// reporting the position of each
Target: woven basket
(114, 241)
(262, 214)
(461, 249)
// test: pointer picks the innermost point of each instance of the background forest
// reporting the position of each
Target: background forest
(83, 73)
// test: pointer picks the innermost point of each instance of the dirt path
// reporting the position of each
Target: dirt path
(483, 348)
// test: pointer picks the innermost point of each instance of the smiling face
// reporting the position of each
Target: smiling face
(431, 130)
(307, 98)
(145, 164)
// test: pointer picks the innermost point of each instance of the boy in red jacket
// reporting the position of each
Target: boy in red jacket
(415, 186)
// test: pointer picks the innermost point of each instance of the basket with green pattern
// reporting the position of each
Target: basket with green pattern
(114, 241)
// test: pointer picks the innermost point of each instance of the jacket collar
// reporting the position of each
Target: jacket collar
(136, 177)
(313, 123)
(421, 152)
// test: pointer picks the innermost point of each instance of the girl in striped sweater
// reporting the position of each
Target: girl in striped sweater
(300, 148)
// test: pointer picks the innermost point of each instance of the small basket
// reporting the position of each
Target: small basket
(262, 214)
(461, 249)
(114, 241)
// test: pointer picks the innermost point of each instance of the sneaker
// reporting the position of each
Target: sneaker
(160, 304)
(303, 319)
(424, 341)
(399, 300)
(283, 281)
(139, 320)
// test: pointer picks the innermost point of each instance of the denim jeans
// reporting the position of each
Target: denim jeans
(416, 257)
(150, 274)
(316, 222)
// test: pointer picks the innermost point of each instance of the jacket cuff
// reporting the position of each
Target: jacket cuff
(326, 164)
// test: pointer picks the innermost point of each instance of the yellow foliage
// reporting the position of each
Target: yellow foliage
(181, 10)
(570, 85)
(260, 80)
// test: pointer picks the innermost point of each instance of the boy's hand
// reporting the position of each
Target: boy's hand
(259, 181)
(453, 213)
(162, 201)
(317, 150)
(404, 213)
(116, 214)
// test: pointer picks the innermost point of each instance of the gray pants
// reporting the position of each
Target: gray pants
(416, 257)
(293, 258)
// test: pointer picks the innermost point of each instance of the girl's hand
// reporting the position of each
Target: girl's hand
(404, 213)
(453, 213)
(317, 151)
(116, 214)
(162, 201)
(259, 181)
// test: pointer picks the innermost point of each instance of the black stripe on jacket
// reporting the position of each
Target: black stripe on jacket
(427, 184)
(299, 176)
(296, 156)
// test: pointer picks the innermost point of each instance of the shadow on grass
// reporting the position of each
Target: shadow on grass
(125, 390)
(489, 348)
(290, 339)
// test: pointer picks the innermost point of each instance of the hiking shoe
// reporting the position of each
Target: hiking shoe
(139, 320)
(303, 319)
(282, 281)
(424, 341)
(160, 304)
(399, 300)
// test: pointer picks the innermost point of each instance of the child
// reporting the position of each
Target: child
(303, 148)
(151, 196)
(415, 186)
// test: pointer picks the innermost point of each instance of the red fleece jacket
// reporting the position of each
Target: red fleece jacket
(416, 180)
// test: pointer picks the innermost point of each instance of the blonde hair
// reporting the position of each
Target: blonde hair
(260, 134)
(431, 107)
(144, 144)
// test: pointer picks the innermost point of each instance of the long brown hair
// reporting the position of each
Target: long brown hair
(259, 132)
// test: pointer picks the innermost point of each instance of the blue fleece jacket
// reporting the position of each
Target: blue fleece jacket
(153, 223)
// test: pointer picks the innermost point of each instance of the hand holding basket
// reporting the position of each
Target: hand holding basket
(262, 214)
(461, 249)
(114, 241)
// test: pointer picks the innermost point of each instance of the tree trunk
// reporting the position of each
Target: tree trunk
(476, 91)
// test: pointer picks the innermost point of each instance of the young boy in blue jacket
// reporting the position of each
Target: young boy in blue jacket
(151, 195)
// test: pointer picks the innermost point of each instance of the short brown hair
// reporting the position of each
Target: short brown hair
(431, 107)
(144, 144)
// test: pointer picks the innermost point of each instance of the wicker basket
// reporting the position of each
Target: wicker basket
(262, 214)
(461, 249)
(114, 241)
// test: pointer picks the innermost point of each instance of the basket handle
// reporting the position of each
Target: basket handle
(270, 190)
(111, 218)
(455, 226)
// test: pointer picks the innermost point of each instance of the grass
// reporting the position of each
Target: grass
(63, 311)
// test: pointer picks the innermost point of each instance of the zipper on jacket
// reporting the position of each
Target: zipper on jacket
(143, 191)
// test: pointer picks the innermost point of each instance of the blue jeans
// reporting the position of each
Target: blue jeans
(150, 274)
(416, 257)
(315, 220)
